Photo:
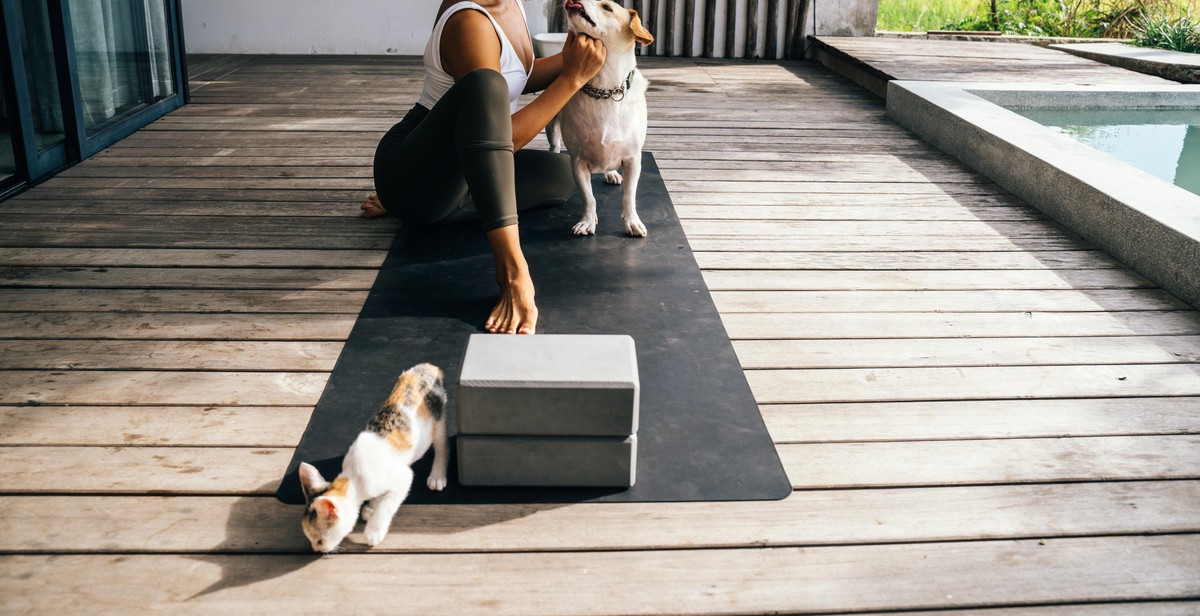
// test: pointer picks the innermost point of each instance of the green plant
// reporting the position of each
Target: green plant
(1074, 18)
(1162, 30)
(1083, 18)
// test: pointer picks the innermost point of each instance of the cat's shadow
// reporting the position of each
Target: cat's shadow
(263, 540)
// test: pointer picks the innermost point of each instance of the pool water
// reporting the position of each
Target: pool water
(1165, 143)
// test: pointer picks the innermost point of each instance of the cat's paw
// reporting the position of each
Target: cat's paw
(436, 481)
(613, 177)
(374, 536)
(367, 512)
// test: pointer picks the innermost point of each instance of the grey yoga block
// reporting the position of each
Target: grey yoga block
(547, 461)
(549, 385)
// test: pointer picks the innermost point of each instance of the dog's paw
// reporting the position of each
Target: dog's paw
(613, 177)
(374, 536)
(587, 226)
(436, 481)
(634, 227)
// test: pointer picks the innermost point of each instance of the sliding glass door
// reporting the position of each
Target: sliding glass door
(123, 51)
(83, 74)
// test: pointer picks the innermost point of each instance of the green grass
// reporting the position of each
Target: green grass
(922, 15)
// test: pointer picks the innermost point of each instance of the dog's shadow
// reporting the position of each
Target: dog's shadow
(263, 540)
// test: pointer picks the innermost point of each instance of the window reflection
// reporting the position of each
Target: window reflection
(122, 49)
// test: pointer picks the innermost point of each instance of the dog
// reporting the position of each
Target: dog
(604, 125)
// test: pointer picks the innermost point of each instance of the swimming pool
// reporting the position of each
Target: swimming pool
(1146, 222)
(1162, 142)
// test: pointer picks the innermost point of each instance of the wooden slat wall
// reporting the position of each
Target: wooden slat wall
(751, 29)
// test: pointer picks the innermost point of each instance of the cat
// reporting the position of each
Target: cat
(377, 468)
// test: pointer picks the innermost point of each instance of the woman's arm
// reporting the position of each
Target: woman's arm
(469, 42)
(545, 71)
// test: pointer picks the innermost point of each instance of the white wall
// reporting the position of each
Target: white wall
(374, 27)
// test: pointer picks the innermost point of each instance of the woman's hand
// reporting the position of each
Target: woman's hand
(582, 57)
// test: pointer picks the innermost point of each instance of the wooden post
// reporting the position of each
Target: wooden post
(689, 26)
(751, 29)
(772, 28)
(710, 28)
(794, 39)
(730, 27)
(645, 9)
(668, 39)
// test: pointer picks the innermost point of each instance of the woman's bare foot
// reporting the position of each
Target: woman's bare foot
(516, 312)
(372, 208)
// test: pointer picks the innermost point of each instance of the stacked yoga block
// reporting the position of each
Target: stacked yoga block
(548, 410)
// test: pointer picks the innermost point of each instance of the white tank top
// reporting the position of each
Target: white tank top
(437, 81)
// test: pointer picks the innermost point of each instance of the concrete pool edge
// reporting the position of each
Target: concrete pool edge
(1173, 65)
(1146, 223)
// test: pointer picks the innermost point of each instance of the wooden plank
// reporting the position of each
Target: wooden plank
(48, 236)
(217, 193)
(309, 279)
(887, 212)
(245, 170)
(883, 243)
(141, 387)
(883, 325)
(884, 261)
(198, 257)
(980, 419)
(171, 326)
(334, 226)
(973, 383)
(947, 301)
(178, 209)
(814, 201)
(1004, 461)
(88, 523)
(823, 173)
(919, 280)
(121, 300)
(821, 579)
(932, 352)
(255, 356)
(116, 426)
(144, 470)
(791, 229)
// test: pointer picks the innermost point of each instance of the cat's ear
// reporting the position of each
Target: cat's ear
(311, 481)
(327, 508)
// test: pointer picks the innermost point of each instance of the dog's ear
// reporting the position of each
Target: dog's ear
(640, 33)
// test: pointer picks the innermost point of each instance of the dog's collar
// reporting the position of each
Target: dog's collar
(616, 94)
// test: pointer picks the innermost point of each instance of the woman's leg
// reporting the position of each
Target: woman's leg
(465, 142)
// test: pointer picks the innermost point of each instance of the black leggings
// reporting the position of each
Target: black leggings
(437, 162)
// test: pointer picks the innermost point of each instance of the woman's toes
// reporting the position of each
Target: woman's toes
(373, 207)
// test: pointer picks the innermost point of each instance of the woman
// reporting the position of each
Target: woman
(455, 149)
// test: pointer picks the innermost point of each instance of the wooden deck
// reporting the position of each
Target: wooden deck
(873, 61)
(976, 408)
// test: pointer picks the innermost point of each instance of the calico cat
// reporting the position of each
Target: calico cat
(377, 468)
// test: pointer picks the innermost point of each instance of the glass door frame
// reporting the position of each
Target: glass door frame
(34, 167)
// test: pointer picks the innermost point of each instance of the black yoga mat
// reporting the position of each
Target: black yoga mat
(701, 436)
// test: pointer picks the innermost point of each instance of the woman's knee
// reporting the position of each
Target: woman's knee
(484, 84)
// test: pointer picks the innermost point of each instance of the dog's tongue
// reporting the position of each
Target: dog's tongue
(572, 4)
